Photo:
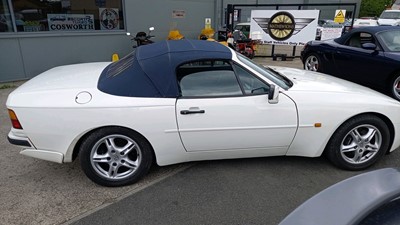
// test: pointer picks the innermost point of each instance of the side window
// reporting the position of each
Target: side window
(251, 85)
(391, 39)
(207, 78)
(360, 38)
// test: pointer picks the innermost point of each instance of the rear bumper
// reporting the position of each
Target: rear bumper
(31, 151)
(44, 155)
(19, 139)
(19, 142)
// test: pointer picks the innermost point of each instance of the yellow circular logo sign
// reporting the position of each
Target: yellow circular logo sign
(281, 26)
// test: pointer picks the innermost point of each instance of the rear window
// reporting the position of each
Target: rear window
(126, 78)
(120, 66)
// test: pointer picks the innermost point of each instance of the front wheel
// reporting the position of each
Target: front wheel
(358, 143)
(115, 156)
(313, 63)
(395, 87)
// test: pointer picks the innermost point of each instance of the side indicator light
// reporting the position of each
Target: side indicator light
(14, 120)
(317, 124)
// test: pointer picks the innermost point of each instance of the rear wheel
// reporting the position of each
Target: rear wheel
(313, 63)
(395, 87)
(115, 156)
(358, 143)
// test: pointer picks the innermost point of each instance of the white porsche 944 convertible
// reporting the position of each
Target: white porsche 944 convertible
(179, 101)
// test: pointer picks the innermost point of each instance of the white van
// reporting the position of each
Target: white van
(389, 18)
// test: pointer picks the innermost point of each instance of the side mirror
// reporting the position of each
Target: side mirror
(369, 46)
(273, 94)
(151, 28)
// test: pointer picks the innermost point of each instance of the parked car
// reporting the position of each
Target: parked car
(370, 198)
(365, 23)
(244, 28)
(189, 100)
(369, 56)
(389, 17)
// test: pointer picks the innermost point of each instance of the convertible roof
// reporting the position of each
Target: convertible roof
(150, 70)
(372, 30)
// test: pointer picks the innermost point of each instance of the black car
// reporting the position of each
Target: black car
(369, 56)
(371, 198)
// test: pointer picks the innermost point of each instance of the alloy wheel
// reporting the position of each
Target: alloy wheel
(361, 144)
(311, 63)
(115, 157)
(396, 88)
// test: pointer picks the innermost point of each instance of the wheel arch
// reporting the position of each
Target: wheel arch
(76, 147)
(384, 118)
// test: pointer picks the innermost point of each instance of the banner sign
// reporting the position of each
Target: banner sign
(70, 22)
(109, 18)
(278, 27)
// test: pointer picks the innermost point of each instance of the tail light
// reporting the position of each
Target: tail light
(14, 120)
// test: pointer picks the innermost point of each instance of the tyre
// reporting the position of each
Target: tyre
(395, 87)
(115, 156)
(313, 63)
(358, 143)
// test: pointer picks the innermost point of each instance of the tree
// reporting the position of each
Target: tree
(373, 7)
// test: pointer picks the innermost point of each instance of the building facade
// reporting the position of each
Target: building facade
(36, 35)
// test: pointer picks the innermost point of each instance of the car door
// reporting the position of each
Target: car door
(225, 107)
(358, 64)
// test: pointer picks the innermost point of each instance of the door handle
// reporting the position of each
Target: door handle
(186, 112)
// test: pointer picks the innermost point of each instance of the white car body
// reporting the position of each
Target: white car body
(389, 18)
(56, 112)
(64, 121)
(365, 23)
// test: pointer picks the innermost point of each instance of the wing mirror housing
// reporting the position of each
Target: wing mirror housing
(273, 94)
(369, 46)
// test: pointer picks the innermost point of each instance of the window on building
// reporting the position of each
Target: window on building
(68, 15)
(5, 17)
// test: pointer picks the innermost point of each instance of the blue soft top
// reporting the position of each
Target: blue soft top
(372, 30)
(150, 70)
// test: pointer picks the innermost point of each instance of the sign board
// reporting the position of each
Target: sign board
(331, 32)
(70, 22)
(235, 15)
(207, 23)
(340, 16)
(291, 27)
(178, 13)
(109, 18)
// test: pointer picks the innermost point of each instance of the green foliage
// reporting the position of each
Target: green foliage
(373, 7)
(6, 86)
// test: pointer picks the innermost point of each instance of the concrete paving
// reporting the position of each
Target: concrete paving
(245, 191)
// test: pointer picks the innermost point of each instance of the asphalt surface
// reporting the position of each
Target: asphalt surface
(241, 191)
